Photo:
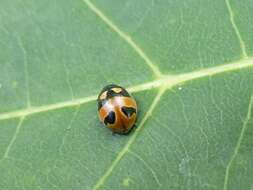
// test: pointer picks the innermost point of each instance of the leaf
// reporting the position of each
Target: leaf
(188, 64)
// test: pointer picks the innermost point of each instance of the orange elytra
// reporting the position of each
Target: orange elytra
(117, 109)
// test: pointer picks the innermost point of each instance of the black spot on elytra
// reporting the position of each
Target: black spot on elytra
(110, 118)
(128, 111)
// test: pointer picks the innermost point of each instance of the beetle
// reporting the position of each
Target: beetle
(117, 109)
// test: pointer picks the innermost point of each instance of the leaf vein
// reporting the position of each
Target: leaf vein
(167, 80)
(131, 140)
(147, 166)
(6, 154)
(238, 145)
(68, 81)
(237, 32)
(28, 101)
(69, 127)
(180, 141)
(125, 37)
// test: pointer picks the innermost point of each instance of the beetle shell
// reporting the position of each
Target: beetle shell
(117, 109)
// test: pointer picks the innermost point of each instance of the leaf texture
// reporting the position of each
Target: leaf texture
(188, 64)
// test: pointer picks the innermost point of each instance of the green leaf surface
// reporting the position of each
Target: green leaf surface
(188, 63)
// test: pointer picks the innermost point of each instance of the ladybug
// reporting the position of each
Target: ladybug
(117, 109)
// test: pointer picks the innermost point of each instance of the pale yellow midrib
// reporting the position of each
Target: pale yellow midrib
(165, 80)
(172, 82)
(33, 110)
